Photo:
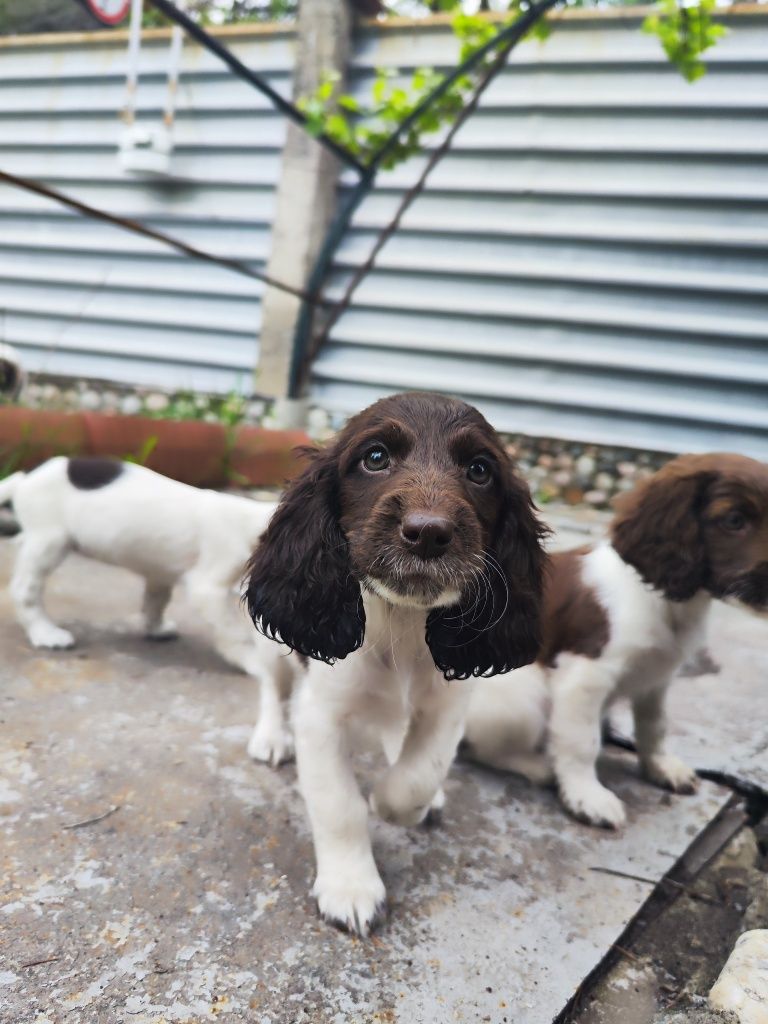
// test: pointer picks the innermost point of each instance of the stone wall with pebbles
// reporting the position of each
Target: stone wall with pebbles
(557, 471)
(112, 399)
(575, 474)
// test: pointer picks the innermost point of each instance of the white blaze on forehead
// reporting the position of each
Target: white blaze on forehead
(444, 599)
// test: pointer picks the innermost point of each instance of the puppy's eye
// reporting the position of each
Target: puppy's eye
(376, 459)
(479, 472)
(733, 521)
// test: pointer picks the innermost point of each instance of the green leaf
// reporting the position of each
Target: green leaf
(380, 87)
(325, 90)
(685, 33)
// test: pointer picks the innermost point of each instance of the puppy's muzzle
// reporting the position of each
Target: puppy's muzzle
(426, 535)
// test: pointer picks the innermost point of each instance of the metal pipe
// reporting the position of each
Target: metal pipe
(335, 233)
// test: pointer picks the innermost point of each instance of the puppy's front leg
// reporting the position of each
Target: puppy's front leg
(581, 687)
(348, 888)
(664, 769)
(411, 787)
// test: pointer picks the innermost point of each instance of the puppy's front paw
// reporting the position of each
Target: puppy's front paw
(594, 804)
(45, 635)
(670, 772)
(434, 815)
(355, 901)
(271, 745)
(396, 802)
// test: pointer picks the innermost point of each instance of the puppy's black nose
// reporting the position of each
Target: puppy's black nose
(427, 536)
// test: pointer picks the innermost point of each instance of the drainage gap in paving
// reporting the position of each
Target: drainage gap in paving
(662, 966)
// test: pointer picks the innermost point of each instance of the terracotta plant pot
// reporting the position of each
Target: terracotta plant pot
(186, 450)
(198, 453)
(261, 456)
(30, 436)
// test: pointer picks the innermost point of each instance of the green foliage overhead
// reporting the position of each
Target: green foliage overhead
(363, 126)
(685, 33)
(227, 12)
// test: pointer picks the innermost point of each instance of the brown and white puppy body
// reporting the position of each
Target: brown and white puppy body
(619, 621)
(410, 546)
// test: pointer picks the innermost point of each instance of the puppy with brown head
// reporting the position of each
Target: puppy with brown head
(410, 541)
(620, 619)
(701, 523)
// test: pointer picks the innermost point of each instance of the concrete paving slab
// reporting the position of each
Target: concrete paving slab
(189, 902)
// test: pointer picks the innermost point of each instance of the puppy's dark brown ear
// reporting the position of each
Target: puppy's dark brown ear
(658, 530)
(300, 587)
(498, 627)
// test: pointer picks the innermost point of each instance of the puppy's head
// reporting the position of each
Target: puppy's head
(700, 523)
(417, 502)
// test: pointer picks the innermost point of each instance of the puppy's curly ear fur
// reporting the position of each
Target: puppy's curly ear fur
(498, 628)
(300, 588)
(658, 530)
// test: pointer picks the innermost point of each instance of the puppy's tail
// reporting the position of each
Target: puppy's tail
(9, 485)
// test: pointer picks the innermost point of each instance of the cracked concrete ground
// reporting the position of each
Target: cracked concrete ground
(674, 960)
(190, 903)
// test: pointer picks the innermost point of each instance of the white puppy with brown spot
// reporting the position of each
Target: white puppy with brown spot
(165, 532)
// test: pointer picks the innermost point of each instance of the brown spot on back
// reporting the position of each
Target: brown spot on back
(90, 474)
(574, 619)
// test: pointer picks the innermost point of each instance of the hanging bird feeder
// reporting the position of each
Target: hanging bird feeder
(146, 148)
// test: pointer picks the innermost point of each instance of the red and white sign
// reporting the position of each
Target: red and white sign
(108, 12)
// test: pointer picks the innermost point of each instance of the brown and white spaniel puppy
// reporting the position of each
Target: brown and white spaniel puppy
(411, 549)
(619, 620)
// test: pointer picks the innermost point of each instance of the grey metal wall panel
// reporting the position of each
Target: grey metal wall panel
(83, 298)
(589, 262)
(591, 259)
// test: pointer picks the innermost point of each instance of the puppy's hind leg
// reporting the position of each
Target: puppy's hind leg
(237, 641)
(156, 599)
(658, 766)
(40, 554)
(507, 725)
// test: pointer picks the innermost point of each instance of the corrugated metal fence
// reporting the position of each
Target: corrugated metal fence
(589, 262)
(80, 297)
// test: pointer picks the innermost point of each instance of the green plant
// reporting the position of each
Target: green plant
(216, 12)
(685, 32)
(363, 126)
(142, 456)
(229, 409)
(10, 462)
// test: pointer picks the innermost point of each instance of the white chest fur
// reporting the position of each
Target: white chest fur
(649, 635)
(390, 694)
